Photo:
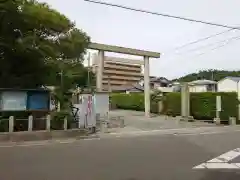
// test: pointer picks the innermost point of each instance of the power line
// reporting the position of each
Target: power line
(218, 47)
(218, 42)
(202, 39)
(161, 14)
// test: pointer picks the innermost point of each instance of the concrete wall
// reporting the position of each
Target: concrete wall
(227, 85)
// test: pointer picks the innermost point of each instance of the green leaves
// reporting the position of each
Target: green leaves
(35, 42)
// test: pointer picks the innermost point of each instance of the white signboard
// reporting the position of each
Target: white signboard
(14, 101)
(101, 103)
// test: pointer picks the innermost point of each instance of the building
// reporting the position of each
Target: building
(202, 86)
(229, 84)
(118, 71)
(159, 83)
(134, 88)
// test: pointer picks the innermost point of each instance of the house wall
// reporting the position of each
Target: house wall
(165, 89)
(198, 88)
(227, 85)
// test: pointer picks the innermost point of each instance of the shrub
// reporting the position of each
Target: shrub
(57, 119)
(172, 104)
(134, 101)
(128, 101)
(202, 105)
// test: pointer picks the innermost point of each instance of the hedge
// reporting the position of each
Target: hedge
(202, 105)
(134, 101)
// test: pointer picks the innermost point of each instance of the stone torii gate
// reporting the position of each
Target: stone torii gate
(123, 50)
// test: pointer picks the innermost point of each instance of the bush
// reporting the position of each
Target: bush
(57, 119)
(172, 104)
(134, 101)
(202, 105)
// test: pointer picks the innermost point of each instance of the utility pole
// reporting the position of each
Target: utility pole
(88, 77)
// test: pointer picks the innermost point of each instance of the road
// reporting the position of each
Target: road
(155, 156)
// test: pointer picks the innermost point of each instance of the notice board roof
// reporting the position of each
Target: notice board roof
(19, 89)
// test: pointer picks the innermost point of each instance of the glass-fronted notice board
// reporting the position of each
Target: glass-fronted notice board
(24, 100)
(14, 101)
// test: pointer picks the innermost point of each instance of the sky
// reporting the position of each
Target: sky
(114, 26)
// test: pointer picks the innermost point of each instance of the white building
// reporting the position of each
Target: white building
(229, 84)
(202, 86)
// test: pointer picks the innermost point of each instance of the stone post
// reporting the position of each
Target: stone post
(232, 121)
(11, 124)
(30, 123)
(48, 122)
(65, 123)
(185, 101)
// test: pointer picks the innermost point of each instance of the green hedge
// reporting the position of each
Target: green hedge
(202, 105)
(134, 101)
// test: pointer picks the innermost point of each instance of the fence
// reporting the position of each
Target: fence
(13, 124)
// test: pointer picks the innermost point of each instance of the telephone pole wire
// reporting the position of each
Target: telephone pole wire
(161, 14)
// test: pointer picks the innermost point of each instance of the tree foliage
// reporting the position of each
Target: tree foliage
(36, 44)
(215, 75)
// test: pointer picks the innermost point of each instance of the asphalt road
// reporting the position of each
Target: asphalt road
(148, 157)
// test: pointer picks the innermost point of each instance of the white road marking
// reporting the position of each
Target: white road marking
(222, 161)
(224, 158)
(218, 166)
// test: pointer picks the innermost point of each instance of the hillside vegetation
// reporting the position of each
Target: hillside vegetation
(215, 75)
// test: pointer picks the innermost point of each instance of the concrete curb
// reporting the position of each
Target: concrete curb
(44, 135)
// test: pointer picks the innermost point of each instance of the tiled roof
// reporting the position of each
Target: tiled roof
(202, 82)
(127, 87)
(236, 79)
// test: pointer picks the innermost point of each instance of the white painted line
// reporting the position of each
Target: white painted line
(218, 166)
(222, 161)
(226, 157)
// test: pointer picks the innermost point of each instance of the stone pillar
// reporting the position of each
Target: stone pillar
(11, 124)
(30, 123)
(48, 123)
(146, 86)
(65, 123)
(100, 70)
(238, 94)
(185, 101)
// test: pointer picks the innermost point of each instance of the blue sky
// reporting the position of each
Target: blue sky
(141, 31)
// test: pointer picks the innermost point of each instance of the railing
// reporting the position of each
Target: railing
(32, 123)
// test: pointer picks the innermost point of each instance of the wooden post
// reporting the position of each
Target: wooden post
(30, 123)
(11, 124)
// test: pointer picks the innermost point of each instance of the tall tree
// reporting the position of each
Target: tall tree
(34, 41)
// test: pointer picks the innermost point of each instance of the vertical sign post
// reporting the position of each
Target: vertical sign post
(218, 106)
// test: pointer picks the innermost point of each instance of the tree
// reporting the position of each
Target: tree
(214, 74)
(35, 41)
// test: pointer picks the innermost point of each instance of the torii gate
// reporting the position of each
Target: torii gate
(123, 50)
